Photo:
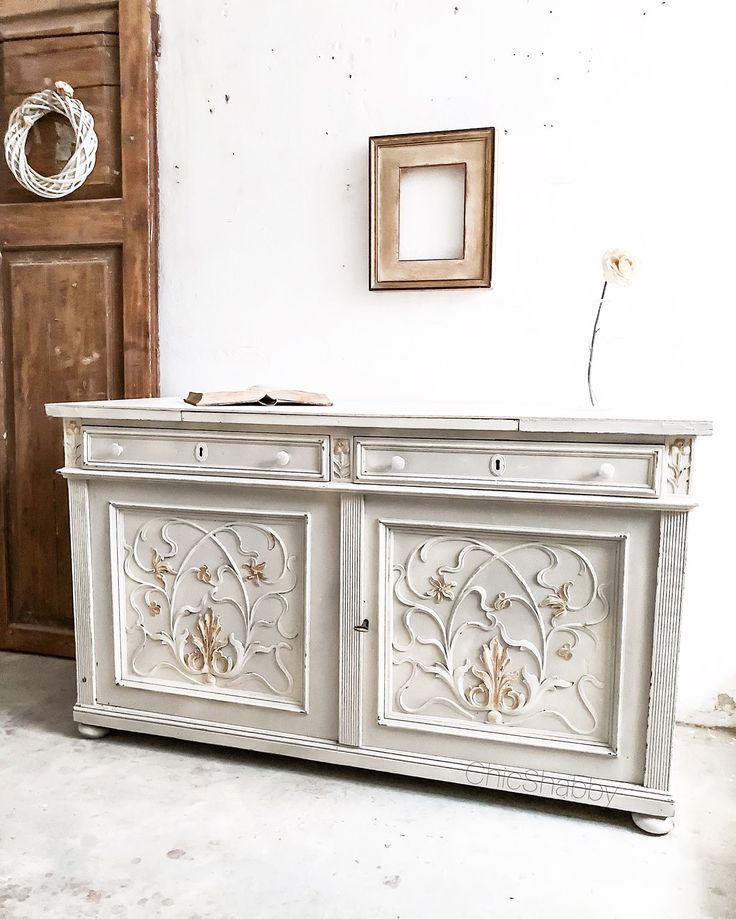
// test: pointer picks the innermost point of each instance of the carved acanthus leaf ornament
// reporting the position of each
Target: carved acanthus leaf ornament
(498, 664)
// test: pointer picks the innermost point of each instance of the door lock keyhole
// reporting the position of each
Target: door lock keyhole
(498, 464)
(201, 452)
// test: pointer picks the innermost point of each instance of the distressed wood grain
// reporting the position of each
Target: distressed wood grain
(79, 285)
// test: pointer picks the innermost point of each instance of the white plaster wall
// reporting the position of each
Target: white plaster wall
(614, 123)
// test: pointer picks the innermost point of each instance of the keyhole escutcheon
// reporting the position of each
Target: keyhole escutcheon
(497, 464)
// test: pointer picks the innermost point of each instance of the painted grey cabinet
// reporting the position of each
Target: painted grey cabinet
(485, 600)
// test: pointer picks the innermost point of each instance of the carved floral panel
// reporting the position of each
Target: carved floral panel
(502, 633)
(341, 458)
(679, 461)
(72, 442)
(212, 605)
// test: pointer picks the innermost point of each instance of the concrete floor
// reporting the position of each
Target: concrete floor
(134, 826)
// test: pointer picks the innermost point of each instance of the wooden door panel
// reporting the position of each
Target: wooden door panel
(50, 17)
(78, 282)
(41, 9)
(90, 63)
(56, 348)
(87, 56)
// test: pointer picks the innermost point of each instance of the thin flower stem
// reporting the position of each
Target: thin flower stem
(592, 343)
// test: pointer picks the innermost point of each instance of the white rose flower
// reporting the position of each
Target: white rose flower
(618, 266)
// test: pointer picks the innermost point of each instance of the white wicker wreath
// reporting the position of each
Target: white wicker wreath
(82, 161)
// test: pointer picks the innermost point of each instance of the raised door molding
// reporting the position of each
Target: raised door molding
(212, 605)
(502, 632)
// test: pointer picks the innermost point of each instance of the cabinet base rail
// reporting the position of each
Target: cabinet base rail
(540, 783)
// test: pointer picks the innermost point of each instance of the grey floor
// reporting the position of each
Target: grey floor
(133, 826)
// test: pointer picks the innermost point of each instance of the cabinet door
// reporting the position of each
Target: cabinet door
(218, 604)
(507, 634)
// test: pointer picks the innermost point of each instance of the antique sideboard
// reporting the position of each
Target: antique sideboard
(492, 600)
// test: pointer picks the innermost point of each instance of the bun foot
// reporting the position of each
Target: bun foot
(657, 826)
(93, 731)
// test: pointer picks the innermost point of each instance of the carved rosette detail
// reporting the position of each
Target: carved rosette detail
(203, 619)
(559, 601)
(440, 588)
(341, 458)
(494, 658)
(256, 572)
(679, 461)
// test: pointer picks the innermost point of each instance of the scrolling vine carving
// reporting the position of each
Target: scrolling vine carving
(198, 591)
(491, 652)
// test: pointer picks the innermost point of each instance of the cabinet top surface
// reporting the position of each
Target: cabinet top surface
(433, 416)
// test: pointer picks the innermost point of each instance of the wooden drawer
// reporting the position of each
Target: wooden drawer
(287, 456)
(605, 469)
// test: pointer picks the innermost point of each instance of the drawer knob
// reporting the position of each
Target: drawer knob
(282, 458)
(398, 464)
(606, 471)
(116, 449)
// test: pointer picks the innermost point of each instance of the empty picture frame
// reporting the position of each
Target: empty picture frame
(437, 186)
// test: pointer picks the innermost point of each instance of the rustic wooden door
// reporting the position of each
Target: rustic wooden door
(77, 282)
